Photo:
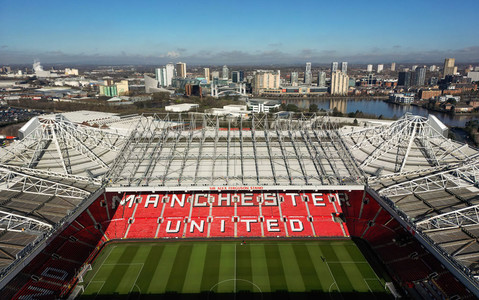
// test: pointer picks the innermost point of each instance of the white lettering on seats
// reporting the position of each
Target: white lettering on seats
(248, 223)
(175, 198)
(299, 225)
(40, 293)
(54, 273)
(197, 200)
(318, 199)
(272, 225)
(224, 197)
(293, 197)
(194, 225)
(152, 199)
(270, 199)
(176, 230)
(247, 199)
(130, 198)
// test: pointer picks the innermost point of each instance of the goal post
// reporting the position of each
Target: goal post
(83, 270)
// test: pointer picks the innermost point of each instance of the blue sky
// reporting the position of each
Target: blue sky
(238, 32)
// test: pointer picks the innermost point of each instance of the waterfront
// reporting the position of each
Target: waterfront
(380, 107)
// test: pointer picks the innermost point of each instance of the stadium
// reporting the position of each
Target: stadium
(97, 205)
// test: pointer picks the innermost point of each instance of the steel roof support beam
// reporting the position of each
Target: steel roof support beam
(92, 136)
(149, 135)
(253, 140)
(83, 149)
(327, 154)
(19, 182)
(463, 217)
(65, 160)
(271, 158)
(214, 156)
(200, 151)
(228, 146)
(241, 150)
(315, 158)
(18, 223)
(406, 155)
(171, 157)
(125, 153)
(455, 178)
(156, 153)
(40, 149)
(42, 173)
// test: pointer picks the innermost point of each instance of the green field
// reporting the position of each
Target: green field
(228, 270)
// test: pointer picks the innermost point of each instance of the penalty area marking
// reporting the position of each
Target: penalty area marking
(366, 282)
(99, 267)
(374, 280)
(99, 290)
(332, 276)
(139, 290)
(236, 279)
(137, 275)
(123, 264)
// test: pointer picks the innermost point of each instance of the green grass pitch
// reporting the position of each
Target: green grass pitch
(228, 270)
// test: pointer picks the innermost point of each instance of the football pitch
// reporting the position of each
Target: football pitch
(229, 270)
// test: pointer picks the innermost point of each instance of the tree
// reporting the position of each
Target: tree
(355, 122)
(452, 101)
(292, 107)
(313, 108)
(337, 113)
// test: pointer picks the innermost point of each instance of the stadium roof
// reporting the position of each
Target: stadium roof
(206, 151)
(431, 180)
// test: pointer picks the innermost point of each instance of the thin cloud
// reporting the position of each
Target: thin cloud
(275, 45)
(467, 54)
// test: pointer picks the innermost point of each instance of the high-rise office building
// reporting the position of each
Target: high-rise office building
(344, 67)
(308, 75)
(339, 83)
(404, 79)
(420, 76)
(265, 80)
(170, 73)
(207, 75)
(181, 70)
(294, 79)
(393, 66)
(215, 74)
(380, 68)
(322, 78)
(370, 68)
(226, 73)
(165, 75)
(160, 74)
(414, 67)
(432, 68)
(449, 67)
(334, 66)
(237, 76)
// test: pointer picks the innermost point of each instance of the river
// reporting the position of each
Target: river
(380, 107)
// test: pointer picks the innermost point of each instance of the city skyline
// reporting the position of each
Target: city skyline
(157, 33)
